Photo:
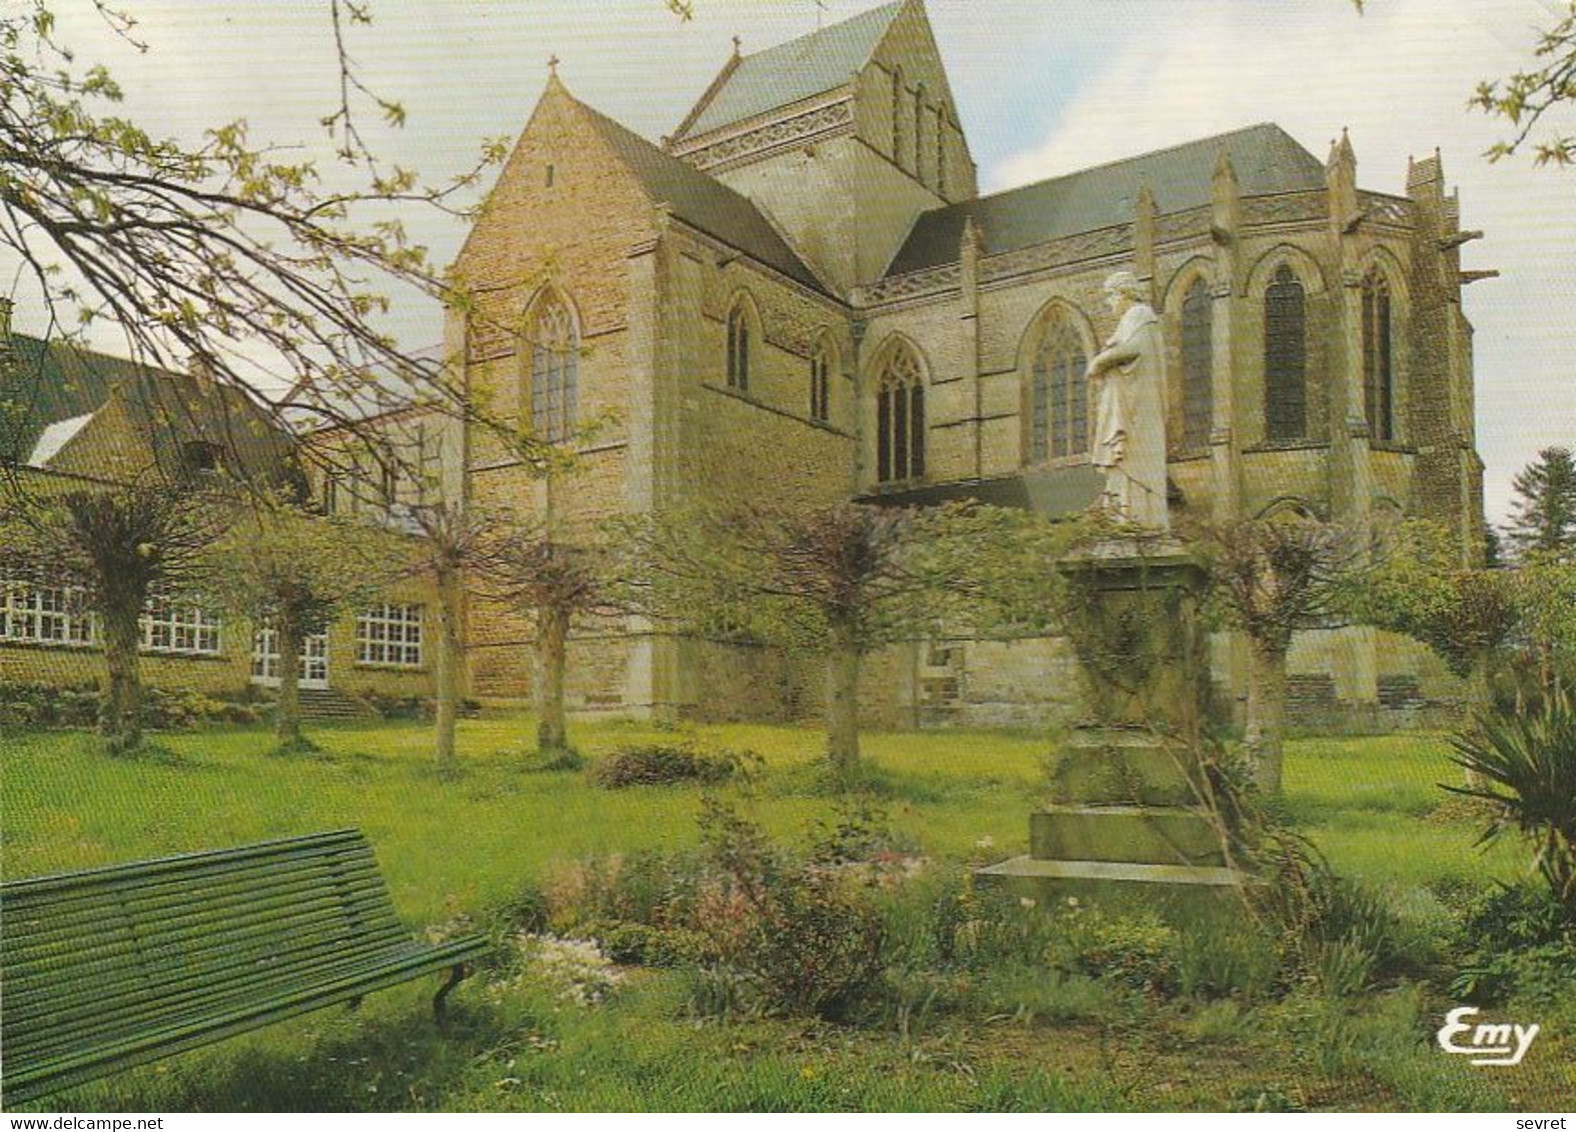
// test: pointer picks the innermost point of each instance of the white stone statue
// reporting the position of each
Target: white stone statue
(1129, 379)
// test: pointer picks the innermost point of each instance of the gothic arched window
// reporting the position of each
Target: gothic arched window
(554, 354)
(1059, 394)
(919, 131)
(1198, 396)
(1378, 357)
(739, 347)
(900, 418)
(1285, 357)
(821, 364)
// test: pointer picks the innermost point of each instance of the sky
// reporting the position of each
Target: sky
(1042, 87)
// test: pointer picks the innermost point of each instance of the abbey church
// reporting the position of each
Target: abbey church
(800, 295)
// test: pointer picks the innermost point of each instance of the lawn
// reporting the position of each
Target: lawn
(463, 846)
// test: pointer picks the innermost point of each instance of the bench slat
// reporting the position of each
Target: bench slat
(244, 964)
(181, 863)
(38, 1080)
(361, 903)
(114, 966)
(29, 915)
(307, 970)
(181, 955)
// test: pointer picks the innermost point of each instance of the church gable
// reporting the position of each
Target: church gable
(563, 192)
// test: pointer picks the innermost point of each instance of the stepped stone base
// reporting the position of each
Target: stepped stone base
(1139, 835)
(1190, 890)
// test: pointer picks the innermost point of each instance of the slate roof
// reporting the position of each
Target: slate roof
(51, 391)
(1266, 158)
(45, 382)
(790, 72)
(703, 201)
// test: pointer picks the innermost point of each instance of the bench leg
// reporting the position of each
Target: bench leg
(440, 1010)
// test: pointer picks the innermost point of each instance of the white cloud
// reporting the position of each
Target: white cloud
(1399, 77)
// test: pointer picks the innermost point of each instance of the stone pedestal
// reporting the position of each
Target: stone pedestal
(1123, 815)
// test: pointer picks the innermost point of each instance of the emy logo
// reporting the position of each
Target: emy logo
(1491, 1043)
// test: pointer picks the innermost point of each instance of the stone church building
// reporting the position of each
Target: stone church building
(800, 295)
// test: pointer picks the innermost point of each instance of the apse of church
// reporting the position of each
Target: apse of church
(800, 295)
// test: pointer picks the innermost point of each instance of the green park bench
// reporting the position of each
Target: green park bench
(113, 967)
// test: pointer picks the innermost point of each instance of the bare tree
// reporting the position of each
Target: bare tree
(238, 257)
(293, 572)
(552, 581)
(453, 542)
(1271, 577)
(113, 546)
(837, 582)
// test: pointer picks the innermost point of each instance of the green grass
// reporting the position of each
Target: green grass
(467, 843)
(462, 845)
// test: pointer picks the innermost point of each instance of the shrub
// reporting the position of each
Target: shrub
(645, 888)
(659, 764)
(397, 706)
(811, 942)
(1518, 942)
(163, 709)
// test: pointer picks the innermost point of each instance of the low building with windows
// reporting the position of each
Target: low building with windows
(800, 295)
(72, 418)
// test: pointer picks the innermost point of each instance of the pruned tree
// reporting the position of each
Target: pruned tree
(553, 581)
(836, 582)
(1546, 599)
(288, 570)
(1416, 585)
(453, 541)
(114, 547)
(1268, 578)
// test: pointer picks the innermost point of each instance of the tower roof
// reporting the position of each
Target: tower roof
(1267, 160)
(802, 68)
(701, 201)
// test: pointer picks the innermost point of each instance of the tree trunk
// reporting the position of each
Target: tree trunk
(1480, 680)
(1265, 735)
(120, 712)
(552, 635)
(842, 706)
(450, 665)
(287, 715)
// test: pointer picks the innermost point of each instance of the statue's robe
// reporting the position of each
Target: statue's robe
(1130, 419)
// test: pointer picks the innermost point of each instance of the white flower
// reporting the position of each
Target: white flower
(575, 968)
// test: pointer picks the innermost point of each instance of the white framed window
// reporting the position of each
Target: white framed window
(311, 672)
(389, 634)
(168, 627)
(52, 615)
